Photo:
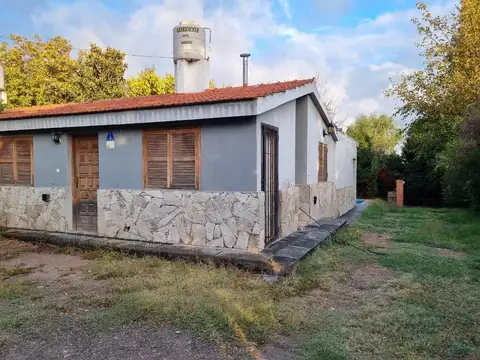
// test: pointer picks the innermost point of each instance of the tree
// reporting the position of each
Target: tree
(377, 132)
(423, 179)
(148, 82)
(448, 85)
(37, 72)
(377, 136)
(100, 74)
(466, 55)
(440, 97)
(422, 91)
(41, 72)
(460, 164)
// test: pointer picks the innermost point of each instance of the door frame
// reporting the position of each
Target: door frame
(271, 210)
(75, 193)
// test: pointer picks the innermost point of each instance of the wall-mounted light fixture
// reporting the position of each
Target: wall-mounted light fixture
(329, 131)
(56, 137)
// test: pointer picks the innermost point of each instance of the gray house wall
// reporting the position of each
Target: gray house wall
(229, 150)
(50, 161)
(228, 157)
(121, 167)
(301, 135)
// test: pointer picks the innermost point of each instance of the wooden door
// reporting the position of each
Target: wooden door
(85, 182)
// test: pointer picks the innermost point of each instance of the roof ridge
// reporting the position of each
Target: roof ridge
(224, 94)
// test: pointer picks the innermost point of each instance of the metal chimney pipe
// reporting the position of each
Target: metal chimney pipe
(245, 68)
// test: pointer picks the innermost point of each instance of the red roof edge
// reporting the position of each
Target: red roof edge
(210, 96)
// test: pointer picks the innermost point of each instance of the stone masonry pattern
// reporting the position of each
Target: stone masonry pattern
(22, 207)
(322, 200)
(288, 210)
(212, 219)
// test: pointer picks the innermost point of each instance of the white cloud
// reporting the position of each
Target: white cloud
(357, 62)
(285, 5)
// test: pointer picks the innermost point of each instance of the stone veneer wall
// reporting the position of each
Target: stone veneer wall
(346, 199)
(213, 219)
(330, 202)
(22, 207)
(288, 208)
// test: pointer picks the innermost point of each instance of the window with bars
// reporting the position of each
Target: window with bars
(171, 159)
(322, 162)
(16, 160)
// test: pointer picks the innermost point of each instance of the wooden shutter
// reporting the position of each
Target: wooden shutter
(6, 160)
(183, 161)
(155, 159)
(171, 158)
(23, 160)
(322, 162)
(16, 160)
(325, 162)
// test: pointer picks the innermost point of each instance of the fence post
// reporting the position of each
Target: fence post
(399, 190)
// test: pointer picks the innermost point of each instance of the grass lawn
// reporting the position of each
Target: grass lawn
(400, 284)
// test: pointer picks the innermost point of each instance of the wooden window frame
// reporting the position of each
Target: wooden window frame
(322, 162)
(14, 160)
(169, 133)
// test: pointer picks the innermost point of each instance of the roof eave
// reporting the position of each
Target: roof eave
(315, 96)
(134, 117)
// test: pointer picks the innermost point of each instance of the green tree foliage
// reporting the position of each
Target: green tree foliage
(460, 164)
(37, 72)
(421, 175)
(377, 164)
(439, 160)
(377, 132)
(148, 82)
(99, 74)
(368, 164)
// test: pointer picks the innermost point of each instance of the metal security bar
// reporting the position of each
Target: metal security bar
(270, 180)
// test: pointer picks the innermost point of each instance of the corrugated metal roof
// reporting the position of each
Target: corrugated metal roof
(227, 94)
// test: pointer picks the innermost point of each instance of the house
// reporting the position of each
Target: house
(234, 167)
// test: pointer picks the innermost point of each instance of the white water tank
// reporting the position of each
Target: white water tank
(189, 41)
(3, 93)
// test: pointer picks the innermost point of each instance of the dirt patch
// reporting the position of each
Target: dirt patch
(46, 266)
(381, 242)
(75, 341)
(370, 277)
(367, 285)
(452, 254)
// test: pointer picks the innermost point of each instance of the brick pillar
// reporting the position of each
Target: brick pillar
(399, 190)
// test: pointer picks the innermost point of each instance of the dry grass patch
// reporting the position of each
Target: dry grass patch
(10, 248)
(380, 242)
(452, 254)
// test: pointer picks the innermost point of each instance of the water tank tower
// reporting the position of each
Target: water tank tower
(191, 57)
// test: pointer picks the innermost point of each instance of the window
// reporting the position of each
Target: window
(171, 159)
(16, 160)
(322, 162)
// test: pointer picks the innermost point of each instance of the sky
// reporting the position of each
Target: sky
(353, 47)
